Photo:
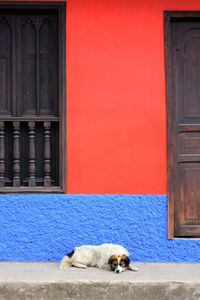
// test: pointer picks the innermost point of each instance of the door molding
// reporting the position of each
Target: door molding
(170, 127)
(169, 17)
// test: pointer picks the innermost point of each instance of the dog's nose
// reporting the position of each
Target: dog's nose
(117, 271)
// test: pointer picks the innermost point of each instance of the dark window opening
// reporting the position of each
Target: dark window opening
(32, 97)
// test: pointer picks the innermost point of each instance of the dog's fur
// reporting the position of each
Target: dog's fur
(105, 256)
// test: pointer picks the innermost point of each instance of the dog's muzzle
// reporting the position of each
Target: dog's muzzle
(118, 270)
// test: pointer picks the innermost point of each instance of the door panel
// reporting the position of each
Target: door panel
(189, 182)
(186, 51)
(5, 66)
(37, 50)
(48, 66)
(29, 76)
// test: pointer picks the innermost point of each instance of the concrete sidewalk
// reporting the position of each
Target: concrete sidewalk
(41, 281)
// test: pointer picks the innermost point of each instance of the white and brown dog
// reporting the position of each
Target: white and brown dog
(105, 256)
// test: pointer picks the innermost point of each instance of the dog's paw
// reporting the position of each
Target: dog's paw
(133, 268)
(63, 266)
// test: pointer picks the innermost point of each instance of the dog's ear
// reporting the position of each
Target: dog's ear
(110, 261)
(126, 260)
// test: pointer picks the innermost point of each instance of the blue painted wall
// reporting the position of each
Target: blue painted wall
(45, 227)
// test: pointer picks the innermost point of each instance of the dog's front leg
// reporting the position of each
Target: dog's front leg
(132, 267)
(78, 265)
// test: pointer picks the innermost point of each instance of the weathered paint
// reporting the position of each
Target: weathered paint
(45, 227)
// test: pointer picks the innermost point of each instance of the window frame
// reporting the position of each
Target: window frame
(60, 7)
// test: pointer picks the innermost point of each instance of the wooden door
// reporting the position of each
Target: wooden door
(183, 86)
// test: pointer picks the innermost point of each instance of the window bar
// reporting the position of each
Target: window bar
(38, 67)
(2, 155)
(47, 154)
(14, 72)
(16, 154)
(31, 126)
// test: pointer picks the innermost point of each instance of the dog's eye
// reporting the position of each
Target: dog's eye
(115, 264)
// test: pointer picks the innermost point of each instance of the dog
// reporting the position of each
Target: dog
(106, 256)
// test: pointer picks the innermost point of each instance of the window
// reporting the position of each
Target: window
(32, 97)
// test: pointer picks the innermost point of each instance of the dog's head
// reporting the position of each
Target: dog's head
(119, 263)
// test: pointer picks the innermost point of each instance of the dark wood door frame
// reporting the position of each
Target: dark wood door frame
(169, 17)
(60, 8)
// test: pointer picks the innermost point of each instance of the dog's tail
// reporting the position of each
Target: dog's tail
(65, 262)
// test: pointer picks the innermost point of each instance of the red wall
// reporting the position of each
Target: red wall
(116, 106)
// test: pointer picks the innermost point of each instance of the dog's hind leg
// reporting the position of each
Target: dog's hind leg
(78, 265)
(132, 267)
(65, 263)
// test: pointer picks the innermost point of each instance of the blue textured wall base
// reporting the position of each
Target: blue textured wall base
(45, 227)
